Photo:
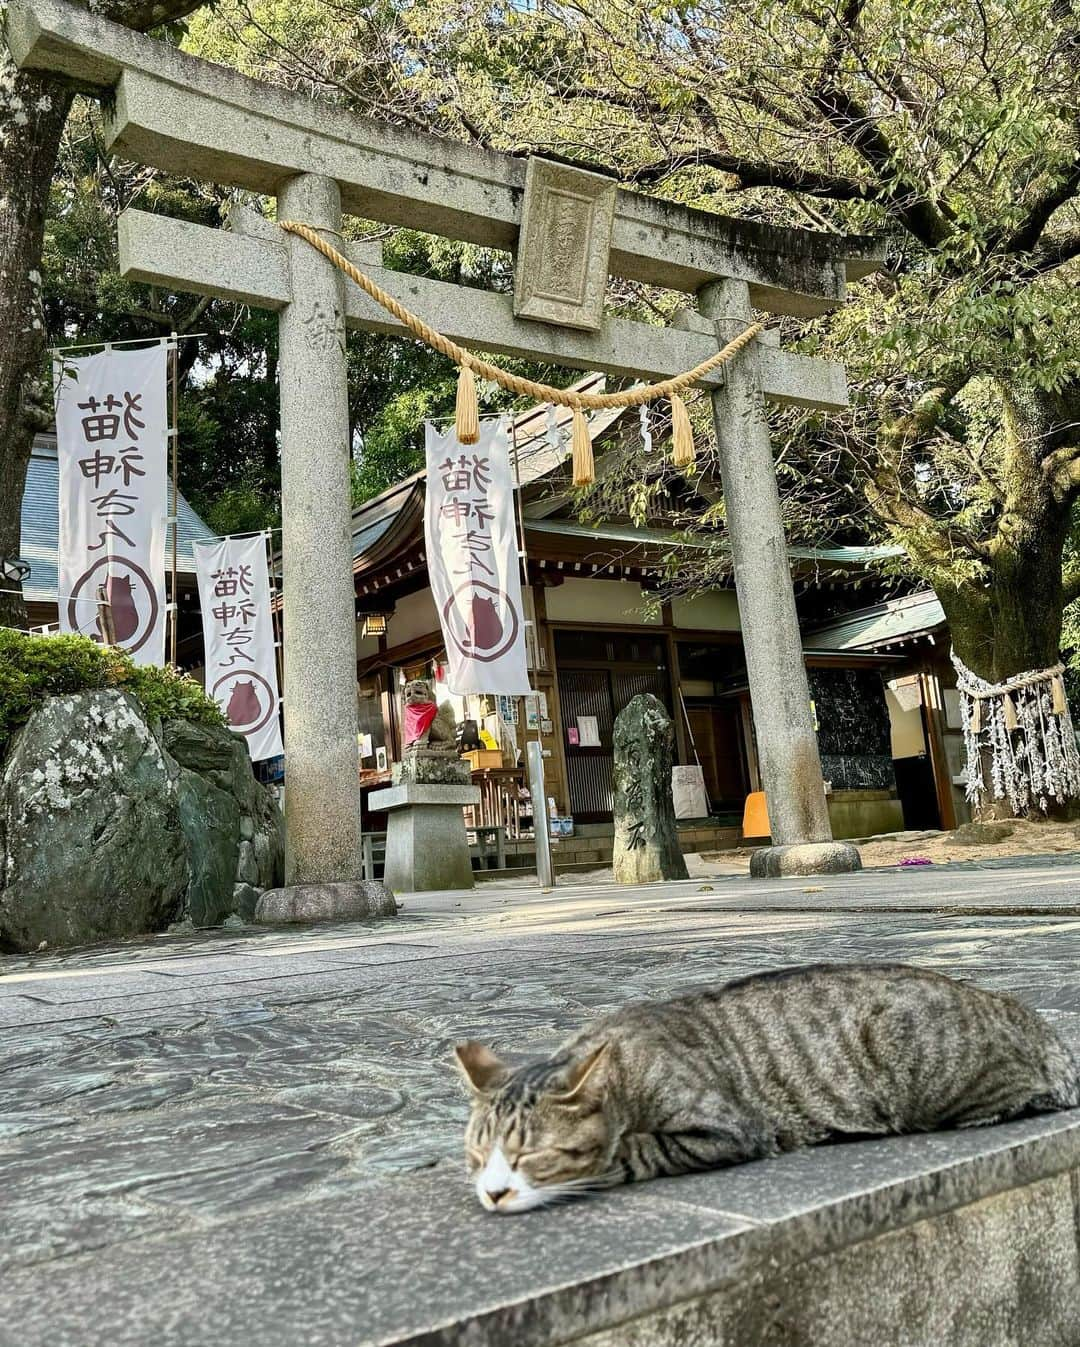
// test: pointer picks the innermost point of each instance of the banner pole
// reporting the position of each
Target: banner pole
(534, 753)
(276, 624)
(174, 370)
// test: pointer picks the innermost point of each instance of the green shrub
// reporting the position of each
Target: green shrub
(35, 667)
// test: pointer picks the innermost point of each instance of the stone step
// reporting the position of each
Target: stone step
(958, 1239)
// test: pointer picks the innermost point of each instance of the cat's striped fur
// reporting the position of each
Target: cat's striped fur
(758, 1066)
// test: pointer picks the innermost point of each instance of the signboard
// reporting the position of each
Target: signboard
(238, 631)
(111, 434)
(472, 558)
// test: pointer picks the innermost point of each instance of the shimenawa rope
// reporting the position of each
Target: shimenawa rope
(467, 417)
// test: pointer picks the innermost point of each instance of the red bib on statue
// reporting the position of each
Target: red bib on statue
(418, 718)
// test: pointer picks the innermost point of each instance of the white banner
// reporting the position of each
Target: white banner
(238, 632)
(472, 557)
(112, 433)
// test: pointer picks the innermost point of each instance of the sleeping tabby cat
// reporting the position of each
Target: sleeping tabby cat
(759, 1066)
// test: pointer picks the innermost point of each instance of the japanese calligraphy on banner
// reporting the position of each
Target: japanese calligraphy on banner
(111, 432)
(238, 632)
(472, 560)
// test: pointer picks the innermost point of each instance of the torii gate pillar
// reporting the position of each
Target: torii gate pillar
(322, 818)
(779, 692)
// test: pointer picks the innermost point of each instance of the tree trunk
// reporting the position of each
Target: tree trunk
(33, 111)
(1010, 623)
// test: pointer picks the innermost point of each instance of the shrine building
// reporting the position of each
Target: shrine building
(878, 674)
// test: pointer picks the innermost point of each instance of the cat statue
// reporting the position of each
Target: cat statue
(753, 1068)
(427, 725)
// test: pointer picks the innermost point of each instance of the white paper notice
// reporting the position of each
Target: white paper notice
(588, 732)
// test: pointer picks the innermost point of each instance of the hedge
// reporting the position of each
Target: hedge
(35, 667)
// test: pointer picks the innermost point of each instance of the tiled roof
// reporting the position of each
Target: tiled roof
(629, 533)
(885, 624)
(40, 525)
(368, 536)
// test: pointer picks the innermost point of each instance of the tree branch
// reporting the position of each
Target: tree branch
(1054, 252)
(1026, 236)
(858, 129)
(886, 494)
(790, 177)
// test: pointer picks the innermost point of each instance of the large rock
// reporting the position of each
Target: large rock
(356, 900)
(90, 825)
(200, 748)
(646, 839)
(237, 848)
(979, 834)
(210, 818)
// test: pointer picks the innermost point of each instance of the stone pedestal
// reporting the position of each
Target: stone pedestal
(806, 858)
(357, 900)
(432, 767)
(426, 845)
(646, 838)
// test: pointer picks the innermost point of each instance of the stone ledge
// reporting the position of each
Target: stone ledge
(957, 1239)
(411, 792)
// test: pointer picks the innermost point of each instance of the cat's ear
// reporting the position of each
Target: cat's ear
(584, 1077)
(483, 1071)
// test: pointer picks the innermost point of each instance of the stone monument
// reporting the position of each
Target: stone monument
(426, 843)
(646, 839)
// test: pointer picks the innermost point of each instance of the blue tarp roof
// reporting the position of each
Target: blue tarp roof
(40, 525)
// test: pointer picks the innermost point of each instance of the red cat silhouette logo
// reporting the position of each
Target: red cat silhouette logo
(481, 621)
(121, 599)
(246, 698)
(132, 599)
(244, 707)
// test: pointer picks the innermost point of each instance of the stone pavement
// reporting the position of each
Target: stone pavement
(189, 1093)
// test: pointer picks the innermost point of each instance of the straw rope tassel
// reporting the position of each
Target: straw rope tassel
(1059, 703)
(682, 434)
(466, 409)
(1010, 713)
(582, 457)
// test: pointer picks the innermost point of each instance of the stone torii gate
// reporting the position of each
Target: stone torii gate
(569, 230)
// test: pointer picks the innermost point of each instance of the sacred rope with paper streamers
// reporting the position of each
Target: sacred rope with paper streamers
(1025, 725)
(467, 415)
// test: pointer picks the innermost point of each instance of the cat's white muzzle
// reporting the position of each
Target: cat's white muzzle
(504, 1190)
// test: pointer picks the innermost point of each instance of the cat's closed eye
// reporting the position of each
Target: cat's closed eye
(574, 1152)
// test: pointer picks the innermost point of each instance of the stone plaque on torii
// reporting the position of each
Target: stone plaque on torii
(569, 230)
